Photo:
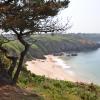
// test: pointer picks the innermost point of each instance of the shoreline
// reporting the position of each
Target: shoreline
(52, 67)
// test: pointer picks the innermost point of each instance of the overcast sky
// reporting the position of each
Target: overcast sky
(85, 15)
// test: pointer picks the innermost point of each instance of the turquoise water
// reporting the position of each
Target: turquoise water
(85, 66)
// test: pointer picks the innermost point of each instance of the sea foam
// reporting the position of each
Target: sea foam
(67, 68)
(61, 63)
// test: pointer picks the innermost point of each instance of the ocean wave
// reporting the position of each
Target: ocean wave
(61, 63)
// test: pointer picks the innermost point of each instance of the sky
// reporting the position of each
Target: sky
(84, 16)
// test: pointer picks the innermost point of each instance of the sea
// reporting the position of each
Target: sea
(85, 67)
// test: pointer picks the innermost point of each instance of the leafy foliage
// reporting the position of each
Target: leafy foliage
(29, 18)
(58, 90)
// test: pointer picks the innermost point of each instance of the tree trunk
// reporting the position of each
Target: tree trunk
(22, 56)
(13, 65)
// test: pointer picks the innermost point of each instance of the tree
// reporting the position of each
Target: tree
(29, 18)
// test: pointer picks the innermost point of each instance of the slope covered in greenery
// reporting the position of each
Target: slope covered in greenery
(47, 44)
(51, 89)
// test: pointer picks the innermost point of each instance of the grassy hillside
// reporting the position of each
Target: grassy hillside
(51, 89)
(47, 44)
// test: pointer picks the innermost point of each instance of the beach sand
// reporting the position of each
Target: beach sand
(50, 68)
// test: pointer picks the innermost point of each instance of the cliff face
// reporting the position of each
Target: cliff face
(90, 36)
(47, 44)
(65, 46)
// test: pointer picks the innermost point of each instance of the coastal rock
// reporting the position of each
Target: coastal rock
(74, 54)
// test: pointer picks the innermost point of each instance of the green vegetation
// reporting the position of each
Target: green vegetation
(22, 21)
(51, 89)
(47, 44)
(28, 17)
(14, 46)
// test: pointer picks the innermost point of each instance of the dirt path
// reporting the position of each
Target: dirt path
(8, 92)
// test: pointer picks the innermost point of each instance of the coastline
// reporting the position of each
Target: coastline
(52, 67)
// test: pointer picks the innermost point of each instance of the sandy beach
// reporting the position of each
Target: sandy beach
(51, 67)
